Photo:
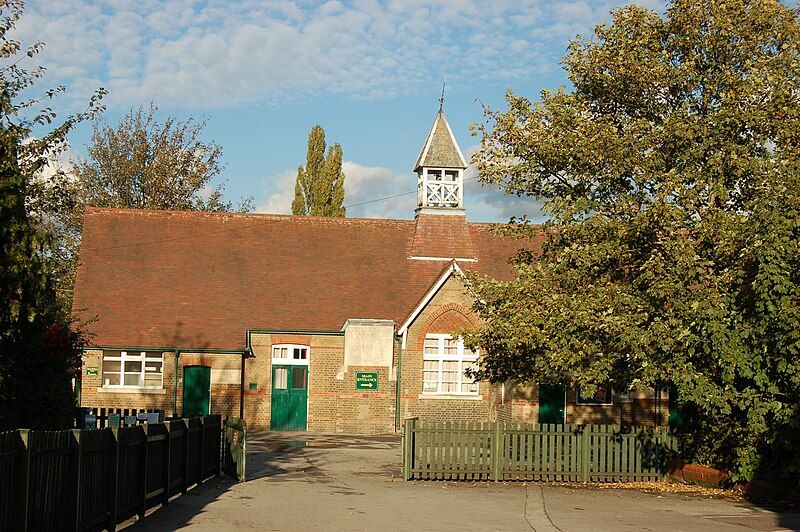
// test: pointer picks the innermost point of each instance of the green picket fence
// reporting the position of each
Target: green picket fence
(521, 451)
(95, 479)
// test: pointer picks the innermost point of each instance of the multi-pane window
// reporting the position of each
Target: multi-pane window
(289, 354)
(139, 369)
(445, 361)
(281, 378)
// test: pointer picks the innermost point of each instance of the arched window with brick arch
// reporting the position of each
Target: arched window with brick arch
(445, 358)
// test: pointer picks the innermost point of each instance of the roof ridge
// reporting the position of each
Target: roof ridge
(258, 215)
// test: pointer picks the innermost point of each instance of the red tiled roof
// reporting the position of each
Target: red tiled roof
(199, 280)
(442, 236)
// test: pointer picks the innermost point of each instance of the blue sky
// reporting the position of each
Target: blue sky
(264, 72)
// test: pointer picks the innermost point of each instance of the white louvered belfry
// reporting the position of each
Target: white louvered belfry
(440, 171)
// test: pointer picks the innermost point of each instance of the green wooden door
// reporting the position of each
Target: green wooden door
(289, 398)
(196, 391)
(552, 401)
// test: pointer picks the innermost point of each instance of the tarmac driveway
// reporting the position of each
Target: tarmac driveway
(299, 481)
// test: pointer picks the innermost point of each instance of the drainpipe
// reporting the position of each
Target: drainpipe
(397, 383)
(175, 390)
(241, 388)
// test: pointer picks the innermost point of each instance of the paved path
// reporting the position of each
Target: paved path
(313, 482)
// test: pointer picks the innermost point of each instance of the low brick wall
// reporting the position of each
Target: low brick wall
(698, 474)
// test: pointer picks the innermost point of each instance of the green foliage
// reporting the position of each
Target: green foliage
(319, 188)
(39, 352)
(671, 178)
(142, 163)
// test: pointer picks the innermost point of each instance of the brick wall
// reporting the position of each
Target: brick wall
(334, 405)
(94, 395)
(448, 312)
(637, 409)
(224, 397)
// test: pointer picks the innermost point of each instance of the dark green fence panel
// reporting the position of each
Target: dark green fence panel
(212, 438)
(52, 480)
(194, 448)
(131, 472)
(94, 479)
(177, 457)
(157, 465)
(13, 464)
(518, 451)
(97, 469)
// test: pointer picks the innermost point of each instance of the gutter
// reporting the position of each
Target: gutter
(293, 331)
(162, 348)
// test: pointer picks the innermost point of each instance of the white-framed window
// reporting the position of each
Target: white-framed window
(445, 361)
(133, 369)
(603, 396)
(287, 354)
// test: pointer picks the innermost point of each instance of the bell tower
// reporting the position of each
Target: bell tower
(440, 172)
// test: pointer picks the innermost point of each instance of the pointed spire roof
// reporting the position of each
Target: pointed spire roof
(441, 149)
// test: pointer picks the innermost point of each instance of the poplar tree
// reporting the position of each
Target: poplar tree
(670, 174)
(319, 187)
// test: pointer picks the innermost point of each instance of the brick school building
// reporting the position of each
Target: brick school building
(306, 323)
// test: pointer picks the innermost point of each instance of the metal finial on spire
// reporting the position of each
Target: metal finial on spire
(441, 100)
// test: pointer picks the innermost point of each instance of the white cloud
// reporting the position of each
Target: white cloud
(279, 202)
(187, 54)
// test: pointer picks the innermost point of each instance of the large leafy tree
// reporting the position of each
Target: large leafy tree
(144, 163)
(319, 187)
(39, 346)
(670, 173)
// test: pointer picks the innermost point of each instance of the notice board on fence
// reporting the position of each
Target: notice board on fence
(235, 448)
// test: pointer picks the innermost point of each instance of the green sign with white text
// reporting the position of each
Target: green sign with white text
(91, 371)
(366, 380)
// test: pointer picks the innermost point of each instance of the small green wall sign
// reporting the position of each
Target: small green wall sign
(91, 371)
(366, 380)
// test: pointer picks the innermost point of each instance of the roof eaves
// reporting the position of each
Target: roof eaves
(443, 277)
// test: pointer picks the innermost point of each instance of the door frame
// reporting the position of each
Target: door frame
(538, 396)
(289, 361)
(183, 376)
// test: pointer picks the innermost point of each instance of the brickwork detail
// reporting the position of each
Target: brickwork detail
(224, 397)
(334, 405)
(446, 313)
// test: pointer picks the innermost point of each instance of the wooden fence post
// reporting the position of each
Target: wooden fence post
(185, 464)
(408, 447)
(218, 446)
(112, 524)
(24, 434)
(497, 450)
(202, 458)
(78, 435)
(143, 498)
(584, 436)
(165, 499)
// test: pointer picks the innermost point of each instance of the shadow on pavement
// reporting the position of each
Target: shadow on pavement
(182, 509)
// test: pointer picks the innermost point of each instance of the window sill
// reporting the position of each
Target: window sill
(465, 397)
(155, 391)
(594, 404)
